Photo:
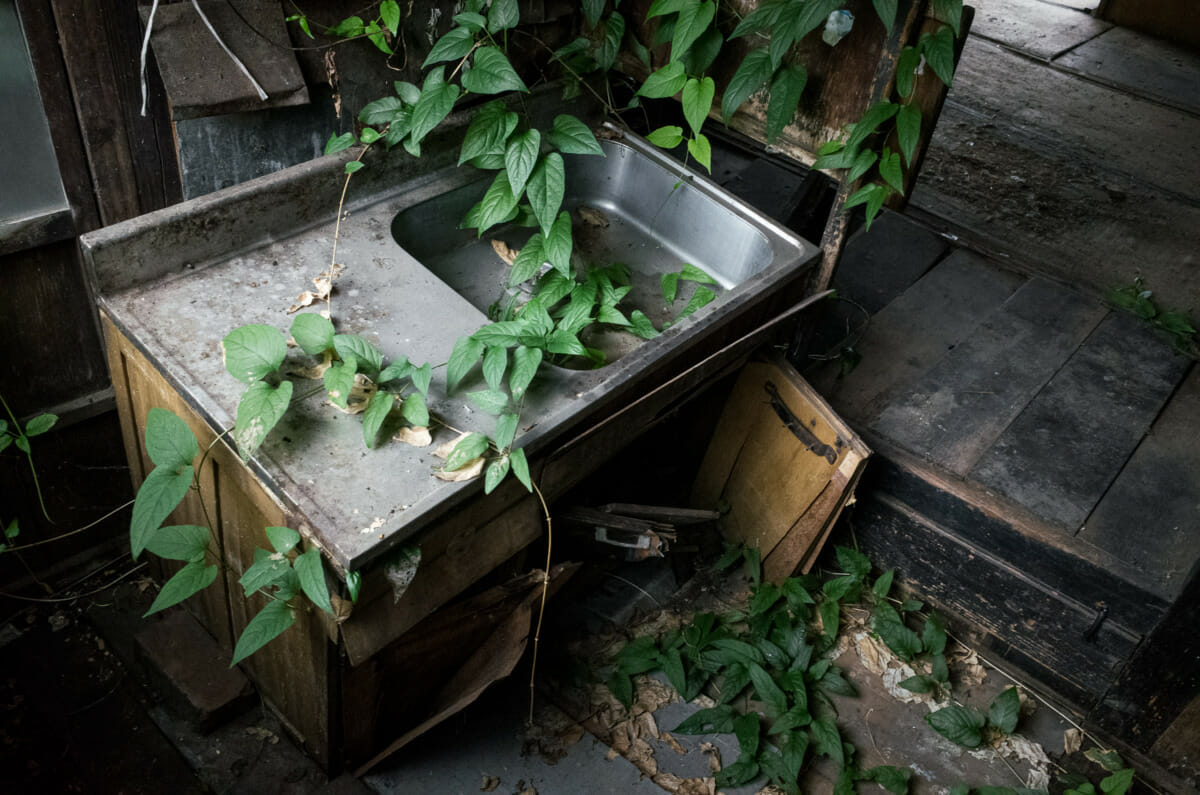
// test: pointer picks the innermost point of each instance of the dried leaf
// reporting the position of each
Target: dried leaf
(342, 608)
(489, 784)
(317, 371)
(1072, 740)
(472, 469)
(304, 299)
(443, 451)
(360, 395)
(714, 756)
(672, 743)
(417, 437)
(505, 252)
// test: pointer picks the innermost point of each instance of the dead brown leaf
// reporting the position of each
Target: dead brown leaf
(417, 436)
(489, 784)
(360, 395)
(443, 450)
(472, 469)
(342, 608)
(672, 743)
(314, 372)
(1072, 740)
(714, 756)
(505, 252)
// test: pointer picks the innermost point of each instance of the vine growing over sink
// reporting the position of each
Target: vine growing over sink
(527, 188)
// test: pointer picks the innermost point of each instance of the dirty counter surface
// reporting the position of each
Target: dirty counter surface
(176, 296)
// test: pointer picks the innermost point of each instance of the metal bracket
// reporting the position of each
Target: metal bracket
(798, 429)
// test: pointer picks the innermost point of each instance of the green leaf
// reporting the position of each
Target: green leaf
(908, 131)
(354, 165)
(491, 73)
(830, 614)
(1004, 711)
(1118, 783)
(339, 380)
(169, 441)
(610, 45)
(493, 401)
(834, 682)
(396, 370)
(22, 444)
(886, 10)
(283, 539)
(571, 136)
(761, 18)
(883, 585)
(407, 91)
(565, 343)
(899, 638)
(313, 333)
(311, 571)
(703, 52)
(906, 70)
(670, 284)
(252, 352)
(890, 170)
(862, 164)
(468, 449)
(786, 88)
(933, 635)
(415, 411)
(545, 189)
(702, 297)
(612, 316)
(503, 14)
(960, 725)
(179, 542)
(950, 12)
(697, 100)
(376, 412)
(768, 692)
(939, 670)
(666, 82)
(529, 260)
(269, 624)
(382, 111)
(700, 148)
(495, 362)
(191, 579)
(938, 49)
(622, 688)
(525, 366)
(559, 243)
(642, 326)
(837, 588)
(495, 473)
(436, 101)
(520, 468)
(350, 26)
(876, 115)
(694, 18)
(353, 584)
(667, 137)
(592, 9)
(503, 333)
(42, 423)
(794, 21)
(421, 377)
(520, 157)
(161, 492)
(853, 562)
(451, 47)
(498, 204)
(506, 429)
(713, 720)
(389, 13)
(488, 131)
(261, 408)
(471, 20)
(369, 135)
(337, 143)
(826, 740)
(892, 779)
(375, 35)
(919, 684)
(1109, 760)
(740, 772)
(751, 76)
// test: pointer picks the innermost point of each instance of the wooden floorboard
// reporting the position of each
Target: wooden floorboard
(1143, 64)
(882, 262)
(1149, 515)
(1033, 27)
(913, 332)
(958, 409)
(1060, 455)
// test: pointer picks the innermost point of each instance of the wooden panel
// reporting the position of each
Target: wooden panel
(1145, 65)
(1060, 455)
(131, 157)
(916, 330)
(1035, 626)
(1043, 30)
(139, 388)
(1148, 516)
(880, 263)
(1178, 748)
(1175, 20)
(960, 406)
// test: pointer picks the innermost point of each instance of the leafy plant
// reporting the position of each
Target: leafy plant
(1118, 782)
(1140, 301)
(969, 727)
(13, 434)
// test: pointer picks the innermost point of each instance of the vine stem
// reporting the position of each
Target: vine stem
(607, 105)
(537, 632)
(474, 47)
(337, 229)
(37, 486)
(87, 526)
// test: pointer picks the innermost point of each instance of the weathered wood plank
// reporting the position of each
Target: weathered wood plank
(1059, 456)
(882, 262)
(1148, 517)
(1036, 28)
(1039, 629)
(913, 332)
(958, 408)
(1175, 20)
(1142, 64)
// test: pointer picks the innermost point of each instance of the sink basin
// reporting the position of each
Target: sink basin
(176, 281)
